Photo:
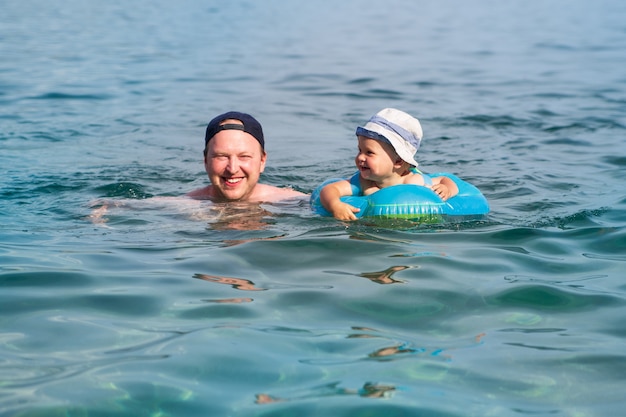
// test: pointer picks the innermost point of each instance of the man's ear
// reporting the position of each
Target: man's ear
(263, 160)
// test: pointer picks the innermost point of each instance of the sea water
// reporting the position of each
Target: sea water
(162, 306)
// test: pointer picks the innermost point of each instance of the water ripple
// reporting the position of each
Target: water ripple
(69, 96)
(550, 298)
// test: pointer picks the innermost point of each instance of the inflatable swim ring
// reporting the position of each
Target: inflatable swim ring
(411, 201)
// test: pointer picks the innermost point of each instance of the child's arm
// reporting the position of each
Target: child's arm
(444, 187)
(330, 199)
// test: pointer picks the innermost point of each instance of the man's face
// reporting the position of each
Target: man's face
(234, 162)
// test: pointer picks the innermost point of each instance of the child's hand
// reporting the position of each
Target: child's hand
(442, 191)
(344, 211)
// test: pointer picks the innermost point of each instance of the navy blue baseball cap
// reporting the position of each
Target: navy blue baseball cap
(250, 126)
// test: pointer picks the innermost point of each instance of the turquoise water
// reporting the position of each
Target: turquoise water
(173, 308)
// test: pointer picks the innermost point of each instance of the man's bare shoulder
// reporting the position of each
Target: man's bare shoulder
(204, 193)
(262, 193)
(270, 193)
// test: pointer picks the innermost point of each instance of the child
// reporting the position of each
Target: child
(387, 145)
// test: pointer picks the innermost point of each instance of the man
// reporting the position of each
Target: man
(234, 158)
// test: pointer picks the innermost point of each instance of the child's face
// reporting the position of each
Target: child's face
(375, 159)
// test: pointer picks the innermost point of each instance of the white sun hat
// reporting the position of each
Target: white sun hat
(400, 129)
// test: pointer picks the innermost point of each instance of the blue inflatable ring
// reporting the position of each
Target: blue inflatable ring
(411, 201)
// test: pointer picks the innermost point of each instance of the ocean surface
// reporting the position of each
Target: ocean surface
(162, 306)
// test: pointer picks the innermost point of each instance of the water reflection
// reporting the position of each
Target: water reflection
(393, 351)
(368, 390)
(242, 216)
(237, 283)
(405, 348)
(230, 300)
(379, 277)
(386, 276)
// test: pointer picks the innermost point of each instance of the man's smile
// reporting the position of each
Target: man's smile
(233, 181)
